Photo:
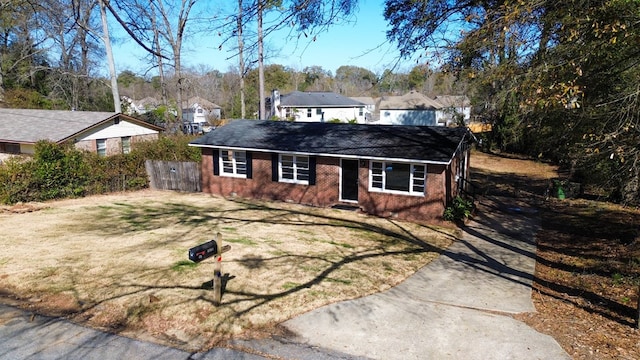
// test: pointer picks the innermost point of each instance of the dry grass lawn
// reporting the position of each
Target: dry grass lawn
(119, 262)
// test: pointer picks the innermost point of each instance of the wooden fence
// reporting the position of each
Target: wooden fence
(173, 175)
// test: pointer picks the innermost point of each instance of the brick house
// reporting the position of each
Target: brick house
(406, 172)
(105, 133)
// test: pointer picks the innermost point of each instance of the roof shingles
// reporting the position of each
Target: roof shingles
(420, 143)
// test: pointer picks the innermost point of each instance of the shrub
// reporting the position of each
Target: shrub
(459, 210)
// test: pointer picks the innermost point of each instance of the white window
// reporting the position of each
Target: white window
(397, 177)
(126, 144)
(101, 146)
(294, 169)
(309, 113)
(233, 163)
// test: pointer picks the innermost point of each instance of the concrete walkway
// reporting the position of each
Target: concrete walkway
(457, 307)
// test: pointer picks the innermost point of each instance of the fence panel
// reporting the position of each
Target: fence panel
(173, 175)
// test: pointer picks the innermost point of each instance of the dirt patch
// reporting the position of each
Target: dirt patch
(587, 267)
(119, 262)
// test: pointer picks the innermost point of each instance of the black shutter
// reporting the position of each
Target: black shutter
(216, 162)
(249, 167)
(274, 167)
(312, 170)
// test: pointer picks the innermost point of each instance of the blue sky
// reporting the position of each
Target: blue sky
(362, 42)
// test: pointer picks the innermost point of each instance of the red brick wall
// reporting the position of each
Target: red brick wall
(326, 191)
(260, 186)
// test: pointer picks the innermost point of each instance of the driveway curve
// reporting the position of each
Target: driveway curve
(457, 307)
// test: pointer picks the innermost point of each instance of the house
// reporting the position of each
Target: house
(106, 133)
(315, 107)
(407, 172)
(199, 110)
(369, 107)
(139, 107)
(454, 108)
(412, 108)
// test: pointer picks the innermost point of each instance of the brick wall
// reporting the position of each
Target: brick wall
(326, 191)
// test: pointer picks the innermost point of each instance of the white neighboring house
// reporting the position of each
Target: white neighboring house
(315, 107)
(412, 108)
(453, 106)
(105, 133)
(199, 110)
(369, 107)
(139, 107)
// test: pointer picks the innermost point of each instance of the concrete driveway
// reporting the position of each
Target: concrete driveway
(457, 307)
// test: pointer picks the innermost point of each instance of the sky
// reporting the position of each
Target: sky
(362, 42)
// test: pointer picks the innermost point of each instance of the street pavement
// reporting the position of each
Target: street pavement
(457, 307)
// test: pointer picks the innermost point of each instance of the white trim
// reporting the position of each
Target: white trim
(359, 157)
(295, 169)
(398, 192)
(340, 198)
(234, 164)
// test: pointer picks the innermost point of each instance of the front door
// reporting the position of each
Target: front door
(349, 180)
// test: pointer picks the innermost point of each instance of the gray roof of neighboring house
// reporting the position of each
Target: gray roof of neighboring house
(453, 100)
(365, 100)
(420, 143)
(204, 103)
(317, 99)
(31, 126)
(410, 101)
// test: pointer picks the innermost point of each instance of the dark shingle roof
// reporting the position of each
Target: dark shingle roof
(317, 99)
(422, 143)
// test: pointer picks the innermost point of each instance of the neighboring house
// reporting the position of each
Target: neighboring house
(453, 106)
(408, 172)
(199, 110)
(369, 107)
(412, 108)
(105, 133)
(139, 107)
(315, 107)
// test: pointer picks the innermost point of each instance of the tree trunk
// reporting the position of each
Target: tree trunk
(112, 66)
(243, 109)
(261, 114)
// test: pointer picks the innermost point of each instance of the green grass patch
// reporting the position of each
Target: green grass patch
(183, 265)
(340, 281)
(242, 240)
(290, 285)
(344, 245)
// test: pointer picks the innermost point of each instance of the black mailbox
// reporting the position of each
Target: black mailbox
(203, 251)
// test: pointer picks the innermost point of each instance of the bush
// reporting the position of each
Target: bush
(58, 171)
(460, 209)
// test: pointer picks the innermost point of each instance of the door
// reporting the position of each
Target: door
(349, 180)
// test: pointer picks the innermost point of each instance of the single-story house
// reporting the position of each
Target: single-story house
(407, 172)
(105, 133)
(139, 107)
(412, 108)
(315, 106)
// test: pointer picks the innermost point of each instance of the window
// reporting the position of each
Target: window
(101, 146)
(294, 169)
(126, 144)
(233, 163)
(360, 111)
(10, 148)
(287, 113)
(397, 177)
(309, 112)
(319, 111)
(199, 111)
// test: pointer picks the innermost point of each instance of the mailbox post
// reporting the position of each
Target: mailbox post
(212, 248)
(217, 273)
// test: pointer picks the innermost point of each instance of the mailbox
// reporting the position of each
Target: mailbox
(203, 251)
